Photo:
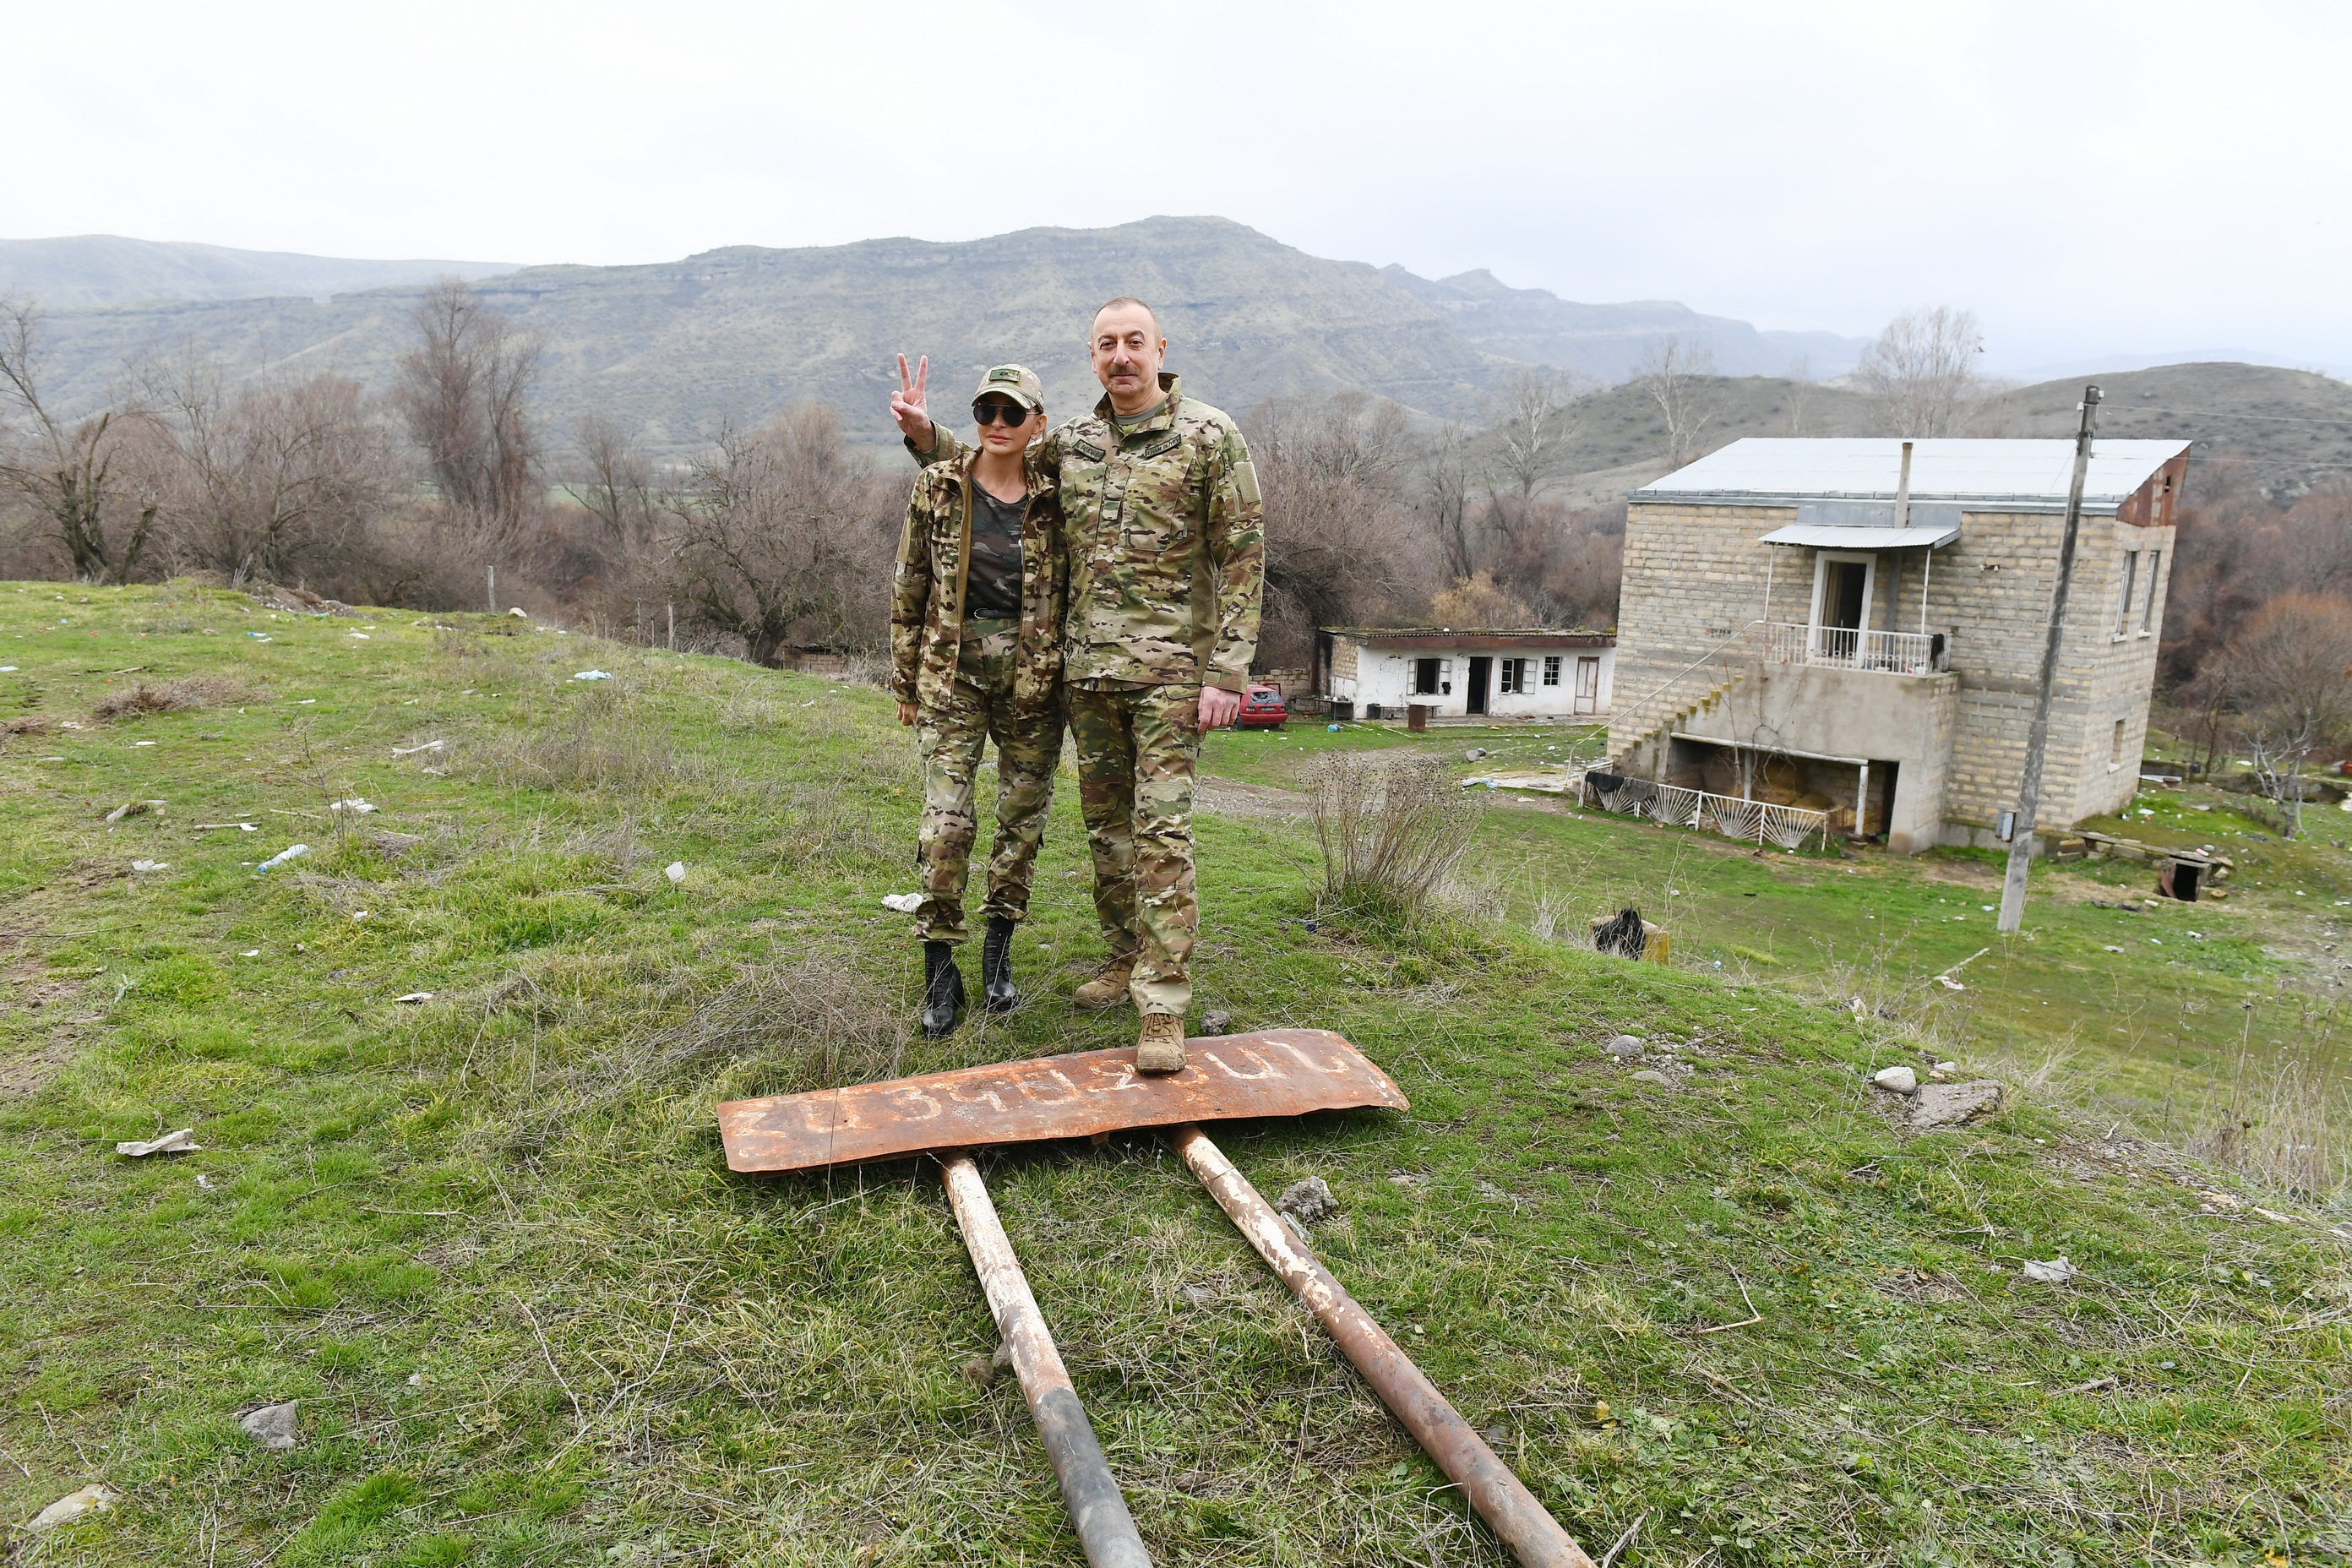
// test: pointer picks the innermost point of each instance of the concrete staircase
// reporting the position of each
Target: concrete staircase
(1646, 756)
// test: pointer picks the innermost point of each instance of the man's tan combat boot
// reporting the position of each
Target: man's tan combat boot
(1161, 1047)
(1109, 987)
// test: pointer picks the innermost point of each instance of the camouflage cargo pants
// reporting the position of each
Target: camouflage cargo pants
(1137, 748)
(981, 707)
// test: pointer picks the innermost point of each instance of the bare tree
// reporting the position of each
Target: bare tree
(464, 392)
(1674, 374)
(64, 471)
(1529, 439)
(1445, 495)
(1340, 546)
(1799, 394)
(2291, 669)
(783, 534)
(265, 479)
(617, 483)
(1923, 369)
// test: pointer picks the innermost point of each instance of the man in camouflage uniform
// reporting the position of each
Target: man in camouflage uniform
(975, 642)
(1166, 545)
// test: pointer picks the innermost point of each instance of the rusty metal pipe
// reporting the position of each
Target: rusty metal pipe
(1088, 1491)
(1531, 1534)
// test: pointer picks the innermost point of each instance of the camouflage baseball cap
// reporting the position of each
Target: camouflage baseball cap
(1016, 382)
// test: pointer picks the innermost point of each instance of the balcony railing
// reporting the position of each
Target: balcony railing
(1897, 653)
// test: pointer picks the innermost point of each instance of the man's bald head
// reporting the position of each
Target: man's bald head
(1127, 302)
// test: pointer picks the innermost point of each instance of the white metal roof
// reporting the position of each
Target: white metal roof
(1986, 474)
(1834, 536)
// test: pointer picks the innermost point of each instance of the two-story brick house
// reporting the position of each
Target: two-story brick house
(1801, 622)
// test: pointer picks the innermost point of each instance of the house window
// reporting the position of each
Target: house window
(1425, 677)
(1551, 669)
(2124, 606)
(2148, 607)
(1515, 675)
(2115, 747)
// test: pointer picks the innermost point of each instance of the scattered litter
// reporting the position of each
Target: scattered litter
(675, 871)
(520, 613)
(259, 637)
(136, 744)
(7, 670)
(1948, 983)
(1216, 1021)
(1296, 1229)
(905, 903)
(358, 914)
(170, 1143)
(272, 1426)
(250, 952)
(132, 808)
(415, 1380)
(355, 805)
(1474, 754)
(283, 856)
(2113, 949)
(1309, 1201)
(592, 675)
(1333, 728)
(241, 826)
(412, 750)
(362, 635)
(206, 1182)
(1897, 1080)
(414, 998)
(96, 1497)
(2056, 1271)
(151, 865)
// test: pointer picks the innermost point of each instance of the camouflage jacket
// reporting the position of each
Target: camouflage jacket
(1166, 540)
(927, 590)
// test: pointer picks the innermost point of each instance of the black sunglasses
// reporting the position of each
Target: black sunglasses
(989, 410)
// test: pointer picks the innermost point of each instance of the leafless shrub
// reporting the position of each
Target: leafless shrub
(785, 535)
(25, 725)
(1392, 833)
(275, 478)
(2285, 1125)
(185, 695)
(815, 1023)
(1342, 545)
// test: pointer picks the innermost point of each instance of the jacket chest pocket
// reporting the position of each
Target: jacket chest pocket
(1147, 495)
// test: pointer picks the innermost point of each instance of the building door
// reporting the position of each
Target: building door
(1841, 585)
(1588, 684)
(1481, 671)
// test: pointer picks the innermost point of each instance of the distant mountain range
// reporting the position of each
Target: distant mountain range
(87, 269)
(739, 333)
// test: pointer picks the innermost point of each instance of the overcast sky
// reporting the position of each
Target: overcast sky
(2092, 180)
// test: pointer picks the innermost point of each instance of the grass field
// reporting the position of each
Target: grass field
(488, 1241)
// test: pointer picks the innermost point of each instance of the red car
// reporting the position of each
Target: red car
(1262, 709)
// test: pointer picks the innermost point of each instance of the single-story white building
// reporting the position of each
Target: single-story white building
(1515, 673)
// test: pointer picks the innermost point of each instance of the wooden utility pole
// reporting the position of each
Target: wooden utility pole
(2037, 739)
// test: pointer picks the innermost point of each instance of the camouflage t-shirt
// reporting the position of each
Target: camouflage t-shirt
(992, 581)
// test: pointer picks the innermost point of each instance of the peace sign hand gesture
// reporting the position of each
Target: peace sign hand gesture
(906, 404)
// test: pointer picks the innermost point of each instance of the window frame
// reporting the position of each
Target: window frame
(2124, 606)
(2148, 599)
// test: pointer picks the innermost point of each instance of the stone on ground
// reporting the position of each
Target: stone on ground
(272, 1426)
(1897, 1080)
(1624, 1046)
(1309, 1201)
(1954, 1104)
(1216, 1022)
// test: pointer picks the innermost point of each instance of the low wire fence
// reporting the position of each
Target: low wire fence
(1761, 820)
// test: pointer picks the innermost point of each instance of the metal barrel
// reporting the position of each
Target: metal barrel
(1088, 1491)
(1522, 1522)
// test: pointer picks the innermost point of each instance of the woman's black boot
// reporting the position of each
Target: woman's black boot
(997, 966)
(942, 989)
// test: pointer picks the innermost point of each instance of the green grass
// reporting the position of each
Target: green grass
(489, 1243)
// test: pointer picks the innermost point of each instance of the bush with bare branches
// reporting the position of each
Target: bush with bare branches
(1923, 369)
(1392, 830)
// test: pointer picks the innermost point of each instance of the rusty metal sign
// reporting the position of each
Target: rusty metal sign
(1278, 1072)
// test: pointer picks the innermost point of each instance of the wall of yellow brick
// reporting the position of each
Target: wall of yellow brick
(1696, 584)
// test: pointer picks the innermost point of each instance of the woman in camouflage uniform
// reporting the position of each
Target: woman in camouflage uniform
(975, 640)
